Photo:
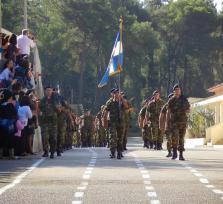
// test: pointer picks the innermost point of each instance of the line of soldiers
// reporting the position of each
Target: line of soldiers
(61, 128)
(157, 119)
(57, 122)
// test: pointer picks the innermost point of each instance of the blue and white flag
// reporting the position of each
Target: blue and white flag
(115, 63)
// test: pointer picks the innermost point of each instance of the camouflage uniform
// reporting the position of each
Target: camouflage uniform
(126, 125)
(48, 122)
(178, 108)
(167, 132)
(87, 131)
(61, 130)
(69, 132)
(115, 126)
(146, 130)
(100, 130)
(153, 112)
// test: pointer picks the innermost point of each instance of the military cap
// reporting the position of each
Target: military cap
(176, 86)
(155, 92)
(170, 95)
(112, 90)
(116, 90)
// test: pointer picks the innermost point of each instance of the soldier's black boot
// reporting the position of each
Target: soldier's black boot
(155, 146)
(151, 145)
(51, 155)
(169, 154)
(45, 154)
(58, 153)
(174, 154)
(158, 146)
(119, 155)
(181, 156)
(112, 155)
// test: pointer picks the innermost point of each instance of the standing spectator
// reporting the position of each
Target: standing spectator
(6, 76)
(8, 116)
(25, 43)
(12, 49)
(24, 113)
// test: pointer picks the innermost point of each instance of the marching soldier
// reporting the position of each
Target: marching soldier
(113, 108)
(152, 115)
(48, 120)
(177, 116)
(162, 122)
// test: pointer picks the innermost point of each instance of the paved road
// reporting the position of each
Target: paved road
(88, 176)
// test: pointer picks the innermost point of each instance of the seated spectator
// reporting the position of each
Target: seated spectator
(25, 43)
(8, 116)
(6, 76)
(12, 49)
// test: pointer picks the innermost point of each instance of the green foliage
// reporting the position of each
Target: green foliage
(164, 42)
(200, 119)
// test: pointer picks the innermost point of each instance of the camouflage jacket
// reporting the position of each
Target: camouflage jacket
(178, 108)
(153, 110)
(48, 107)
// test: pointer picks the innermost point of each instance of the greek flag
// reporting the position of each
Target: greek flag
(115, 63)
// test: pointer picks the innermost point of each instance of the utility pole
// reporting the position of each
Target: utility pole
(25, 15)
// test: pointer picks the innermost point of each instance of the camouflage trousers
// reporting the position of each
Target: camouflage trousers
(178, 133)
(77, 139)
(169, 140)
(49, 135)
(147, 134)
(115, 137)
(125, 134)
(86, 137)
(101, 137)
(61, 131)
(156, 133)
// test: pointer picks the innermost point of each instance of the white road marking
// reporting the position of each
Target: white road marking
(155, 202)
(76, 202)
(79, 194)
(152, 194)
(222, 198)
(145, 176)
(88, 172)
(209, 186)
(86, 177)
(89, 168)
(147, 182)
(142, 168)
(19, 178)
(144, 172)
(82, 187)
(198, 174)
(149, 188)
(84, 183)
(217, 191)
(204, 180)
(194, 171)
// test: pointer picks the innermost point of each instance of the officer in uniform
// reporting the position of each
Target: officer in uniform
(152, 114)
(113, 107)
(48, 121)
(177, 117)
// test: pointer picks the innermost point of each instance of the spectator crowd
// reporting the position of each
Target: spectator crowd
(18, 100)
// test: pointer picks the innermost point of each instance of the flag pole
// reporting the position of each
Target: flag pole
(119, 61)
